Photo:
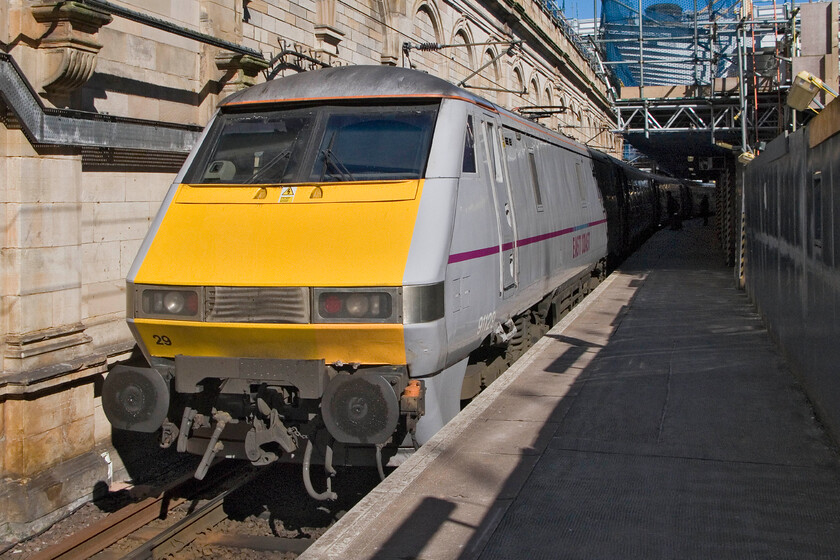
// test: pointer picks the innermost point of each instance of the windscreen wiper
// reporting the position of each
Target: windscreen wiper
(331, 161)
(263, 171)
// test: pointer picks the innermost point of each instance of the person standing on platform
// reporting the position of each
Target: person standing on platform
(673, 208)
(704, 209)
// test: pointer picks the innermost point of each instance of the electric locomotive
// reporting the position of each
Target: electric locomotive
(345, 255)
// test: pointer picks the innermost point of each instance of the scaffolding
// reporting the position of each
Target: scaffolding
(720, 68)
(651, 42)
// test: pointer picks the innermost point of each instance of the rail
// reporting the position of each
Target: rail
(124, 522)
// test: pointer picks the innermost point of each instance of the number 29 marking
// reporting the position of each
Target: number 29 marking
(162, 340)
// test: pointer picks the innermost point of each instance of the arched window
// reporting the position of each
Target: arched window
(548, 99)
(518, 87)
(426, 30)
(462, 56)
(534, 92)
(489, 77)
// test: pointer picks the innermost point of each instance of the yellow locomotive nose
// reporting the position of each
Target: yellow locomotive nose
(222, 261)
(355, 234)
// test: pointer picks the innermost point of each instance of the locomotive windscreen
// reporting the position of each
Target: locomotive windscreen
(316, 144)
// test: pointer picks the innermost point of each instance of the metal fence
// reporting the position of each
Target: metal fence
(792, 216)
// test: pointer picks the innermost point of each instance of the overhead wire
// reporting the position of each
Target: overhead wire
(405, 36)
(494, 81)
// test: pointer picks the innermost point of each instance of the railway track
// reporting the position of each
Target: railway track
(197, 528)
(134, 523)
(234, 513)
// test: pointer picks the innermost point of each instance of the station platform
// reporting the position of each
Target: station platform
(657, 420)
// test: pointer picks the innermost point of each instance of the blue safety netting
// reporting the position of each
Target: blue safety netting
(681, 43)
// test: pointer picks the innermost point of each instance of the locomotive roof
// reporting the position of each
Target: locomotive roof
(370, 82)
(351, 82)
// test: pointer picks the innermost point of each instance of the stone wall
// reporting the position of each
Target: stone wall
(73, 215)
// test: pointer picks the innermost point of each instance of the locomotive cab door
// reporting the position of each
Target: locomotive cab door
(503, 202)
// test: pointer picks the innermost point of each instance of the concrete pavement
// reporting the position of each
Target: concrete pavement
(655, 421)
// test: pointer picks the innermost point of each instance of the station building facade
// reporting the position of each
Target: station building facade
(100, 103)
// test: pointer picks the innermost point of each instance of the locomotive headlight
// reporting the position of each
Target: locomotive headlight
(167, 302)
(174, 302)
(357, 305)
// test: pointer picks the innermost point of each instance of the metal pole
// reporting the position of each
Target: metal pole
(595, 18)
(641, 58)
(696, 46)
(509, 51)
(649, 39)
(712, 40)
(794, 52)
(742, 94)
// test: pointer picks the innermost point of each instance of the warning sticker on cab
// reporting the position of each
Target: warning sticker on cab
(287, 194)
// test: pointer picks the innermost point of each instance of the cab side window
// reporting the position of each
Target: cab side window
(468, 165)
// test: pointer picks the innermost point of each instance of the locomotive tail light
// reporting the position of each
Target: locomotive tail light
(332, 304)
(407, 304)
(377, 305)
